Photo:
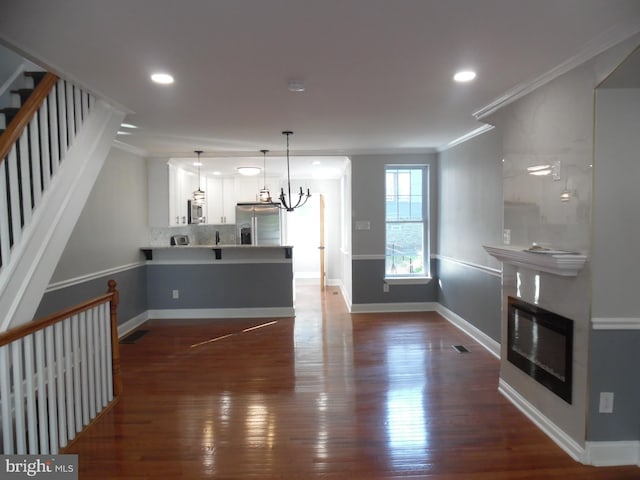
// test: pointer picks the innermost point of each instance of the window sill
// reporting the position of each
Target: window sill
(417, 280)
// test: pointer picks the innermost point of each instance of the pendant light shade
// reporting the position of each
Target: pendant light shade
(264, 196)
(198, 195)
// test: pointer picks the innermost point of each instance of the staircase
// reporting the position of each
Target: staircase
(54, 139)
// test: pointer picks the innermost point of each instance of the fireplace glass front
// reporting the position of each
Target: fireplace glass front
(540, 343)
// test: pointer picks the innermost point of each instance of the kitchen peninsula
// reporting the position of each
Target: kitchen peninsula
(219, 281)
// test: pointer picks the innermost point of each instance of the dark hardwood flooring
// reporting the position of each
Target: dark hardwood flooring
(328, 395)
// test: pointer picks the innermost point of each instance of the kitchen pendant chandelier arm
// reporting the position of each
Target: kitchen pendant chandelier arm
(288, 206)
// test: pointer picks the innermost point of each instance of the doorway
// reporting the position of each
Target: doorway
(305, 231)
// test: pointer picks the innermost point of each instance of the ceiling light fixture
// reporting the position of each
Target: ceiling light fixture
(264, 196)
(198, 195)
(248, 171)
(128, 125)
(162, 78)
(464, 76)
(288, 204)
(296, 86)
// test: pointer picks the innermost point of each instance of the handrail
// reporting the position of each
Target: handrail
(58, 374)
(31, 327)
(15, 128)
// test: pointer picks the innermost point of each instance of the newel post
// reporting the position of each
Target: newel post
(115, 350)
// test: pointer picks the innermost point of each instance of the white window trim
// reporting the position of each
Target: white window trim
(412, 280)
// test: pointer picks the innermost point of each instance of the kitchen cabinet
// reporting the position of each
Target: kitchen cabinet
(220, 200)
(182, 184)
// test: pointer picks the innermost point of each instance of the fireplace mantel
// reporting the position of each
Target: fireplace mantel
(563, 264)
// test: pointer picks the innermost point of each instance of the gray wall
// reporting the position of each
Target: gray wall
(108, 235)
(205, 286)
(368, 203)
(615, 265)
(470, 214)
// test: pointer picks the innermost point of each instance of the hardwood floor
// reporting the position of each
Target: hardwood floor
(328, 395)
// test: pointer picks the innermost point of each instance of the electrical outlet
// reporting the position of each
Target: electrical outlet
(606, 402)
(385, 287)
(175, 294)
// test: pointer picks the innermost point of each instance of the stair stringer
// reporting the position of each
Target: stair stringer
(34, 259)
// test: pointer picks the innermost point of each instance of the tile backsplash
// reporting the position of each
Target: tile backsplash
(198, 234)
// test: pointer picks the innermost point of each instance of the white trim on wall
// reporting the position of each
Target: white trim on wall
(189, 313)
(126, 327)
(394, 307)
(609, 454)
(496, 272)
(608, 39)
(620, 323)
(564, 441)
(368, 257)
(92, 276)
(478, 335)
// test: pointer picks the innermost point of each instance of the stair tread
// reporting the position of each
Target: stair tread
(24, 93)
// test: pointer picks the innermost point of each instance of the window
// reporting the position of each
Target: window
(406, 222)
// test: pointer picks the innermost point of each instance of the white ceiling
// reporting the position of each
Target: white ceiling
(378, 73)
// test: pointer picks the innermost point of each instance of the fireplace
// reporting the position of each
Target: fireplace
(540, 343)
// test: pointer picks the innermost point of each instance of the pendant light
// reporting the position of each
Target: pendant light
(264, 196)
(198, 195)
(286, 201)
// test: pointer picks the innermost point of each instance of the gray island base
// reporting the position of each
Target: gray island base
(219, 281)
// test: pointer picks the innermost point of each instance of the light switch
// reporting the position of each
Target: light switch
(363, 225)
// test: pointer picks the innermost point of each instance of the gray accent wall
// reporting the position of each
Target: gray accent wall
(368, 246)
(107, 237)
(204, 286)
(615, 355)
(368, 278)
(131, 285)
(470, 214)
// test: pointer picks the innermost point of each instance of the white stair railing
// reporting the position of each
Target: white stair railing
(57, 375)
(31, 151)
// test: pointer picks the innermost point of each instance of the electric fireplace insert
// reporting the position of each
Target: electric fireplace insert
(540, 343)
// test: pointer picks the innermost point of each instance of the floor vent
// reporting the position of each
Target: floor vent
(134, 337)
(460, 348)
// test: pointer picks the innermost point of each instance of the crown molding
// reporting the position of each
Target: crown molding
(603, 42)
(131, 149)
(467, 136)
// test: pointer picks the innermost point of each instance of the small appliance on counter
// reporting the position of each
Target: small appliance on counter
(180, 240)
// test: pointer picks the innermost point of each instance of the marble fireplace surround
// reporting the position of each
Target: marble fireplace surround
(554, 282)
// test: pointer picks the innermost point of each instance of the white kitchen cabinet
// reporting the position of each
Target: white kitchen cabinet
(182, 184)
(247, 188)
(221, 200)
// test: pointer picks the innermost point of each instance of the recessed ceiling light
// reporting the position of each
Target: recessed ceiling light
(120, 132)
(464, 76)
(162, 78)
(316, 162)
(217, 173)
(128, 125)
(248, 171)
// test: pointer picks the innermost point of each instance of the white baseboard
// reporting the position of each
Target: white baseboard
(187, 313)
(609, 454)
(478, 335)
(132, 324)
(394, 307)
(564, 441)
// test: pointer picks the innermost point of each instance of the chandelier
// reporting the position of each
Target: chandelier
(264, 196)
(286, 201)
(198, 195)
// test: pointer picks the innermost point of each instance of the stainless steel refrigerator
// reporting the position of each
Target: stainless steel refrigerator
(258, 224)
